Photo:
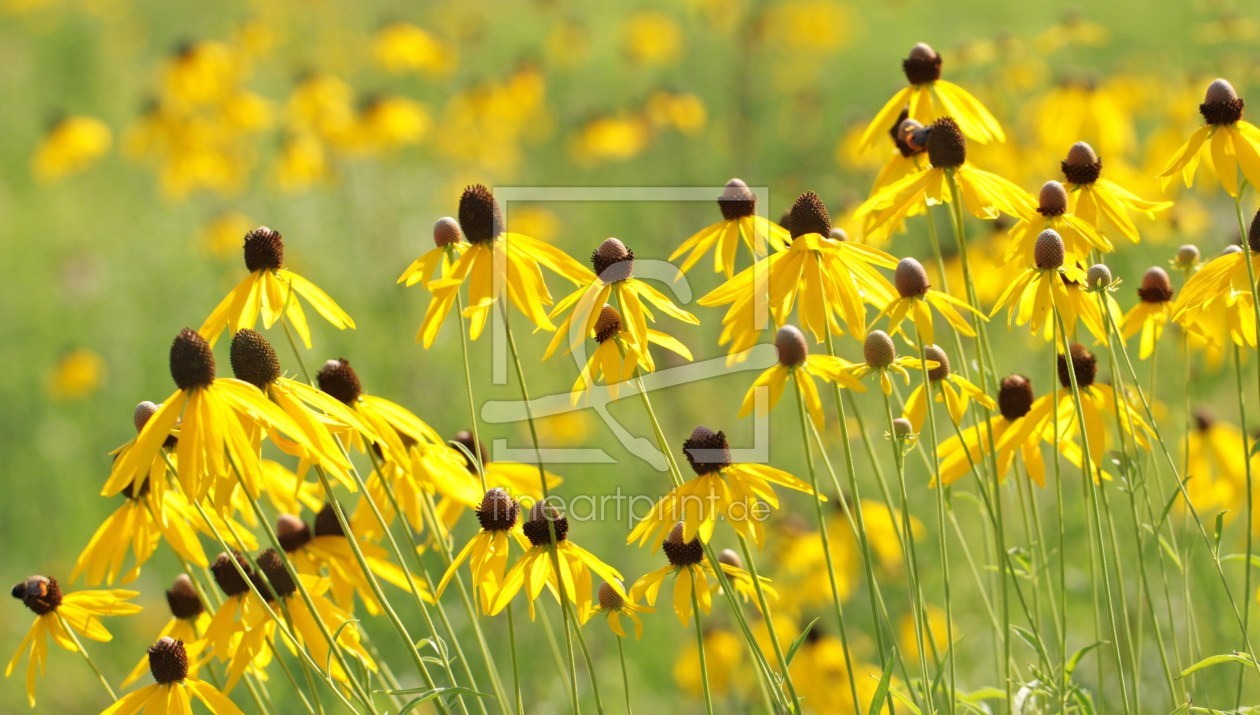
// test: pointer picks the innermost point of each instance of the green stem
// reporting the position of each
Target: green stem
(704, 665)
(625, 677)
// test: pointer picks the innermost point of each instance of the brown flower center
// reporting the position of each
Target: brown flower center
(479, 215)
(790, 343)
(168, 661)
(911, 279)
(1084, 367)
(682, 553)
(183, 600)
(292, 532)
(228, 578)
(608, 324)
(41, 594)
(923, 65)
(536, 528)
(941, 371)
(1082, 165)
(327, 523)
(737, 200)
(498, 511)
(1052, 200)
(272, 565)
(613, 262)
(946, 145)
(340, 380)
(192, 360)
(264, 250)
(446, 232)
(1015, 396)
(879, 349)
(1156, 287)
(254, 359)
(1048, 251)
(808, 215)
(1221, 104)
(609, 599)
(707, 451)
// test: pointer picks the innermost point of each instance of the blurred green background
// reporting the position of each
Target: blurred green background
(104, 265)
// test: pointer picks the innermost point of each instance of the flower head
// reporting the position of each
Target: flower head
(739, 222)
(796, 362)
(1231, 144)
(174, 688)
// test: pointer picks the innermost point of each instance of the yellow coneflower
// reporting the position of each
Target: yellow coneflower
(917, 297)
(394, 424)
(1015, 401)
(1079, 238)
(724, 652)
(201, 73)
(449, 244)
(1216, 466)
(739, 221)
(55, 612)
(720, 490)
(72, 145)
(1102, 203)
(830, 279)
(1231, 144)
(175, 688)
(881, 358)
(617, 356)
(496, 262)
(613, 279)
(795, 361)
(1216, 302)
(929, 97)
(325, 551)
(985, 195)
(188, 622)
(270, 290)
(218, 417)
(1043, 286)
(1151, 313)
(240, 628)
(615, 603)
(691, 575)
(955, 391)
(403, 47)
(487, 552)
(536, 568)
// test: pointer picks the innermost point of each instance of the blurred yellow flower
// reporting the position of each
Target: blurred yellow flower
(611, 139)
(222, 234)
(71, 145)
(680, 111)
(78, 374)
(403, 47)
(817, 26)
(202, 73)
(302, 163)
(652, 38)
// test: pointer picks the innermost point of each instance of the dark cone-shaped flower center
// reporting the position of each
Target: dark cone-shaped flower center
(466, 440)
(479, 215)
(1048, 251)
(1084, 366)
(536, 528)
(613, 261)
(168, 661)
(790, 342)
(1188, 255)
(228, 578)
(607, 324)
(340, 380)
(41, 594)
(327, 523)
(1221, 104)
(1082, 165)
(192, 360)
(1253, 234)
(1052, 200)
(498, 511)
(1203, 420)
(946, 145)
(253, 359)
(1098, 276)
(923, 65)
(272, 565)
(879, 350)
(902, 428)
(264, 250)
(808, 215)
(941, 371)
(1156, 287)
(292, 532)
(183, 600)
(446, 231)
(911, 279)
(144, 410)
(730, 558)
(1015, 396)
(737, 200)
(682, 553)
(609, 599)
(707, 451)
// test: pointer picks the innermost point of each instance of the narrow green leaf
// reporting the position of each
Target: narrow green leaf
(1163, 515)
(1075, 660)
(799, 641)
(434, 693)
(881, 690)
(905, 700)
(1254, 559)
(1212, 660)
(1219, 530)
(1172, 553)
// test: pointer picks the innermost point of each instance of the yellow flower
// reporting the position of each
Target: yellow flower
(54, 613)
(881, 358)
(188, 621)
(496, 262)
(1051, 212)
(218, 418)
(302, 162)
(929, 97)
(821, 674)
(724, 653)
(934, 634)
(618, 357)
(241, 627)
(1215, 302)
(614, 604)
(1151, 313)
(487, 552)
(1103, 203)
(202, 73)
(613, 138)
(831, 279)
(403, 47)
(72, 145)
(78, 374)
(1043, 286)
(1085, 109)
(739, 221)
(613, 279)
(221, 234)
(985, 195)
(175, 688)
(1231, 144)
(272, 291)
(956, 392)
(390, 426)
(652, 38)
(1216, 467)
(691, 576)
(795, 362)
(537, 567)
(1012, 436)
(721, 490)
(677, 110)
(917, 297)
(389, 122)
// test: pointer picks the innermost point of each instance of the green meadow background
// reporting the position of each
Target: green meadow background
(105, 261)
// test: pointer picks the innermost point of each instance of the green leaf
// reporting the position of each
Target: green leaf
(905, 700)
(1254, 559)
(881, 690)
(799, 641)
(1172, 553)
(1075, 660)
(431, 694)
(1212, 660)
(1033, 640)
(1219, 530)
(1163, 515)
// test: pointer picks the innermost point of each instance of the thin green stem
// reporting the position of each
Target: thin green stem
(625, 677)
(704, 665)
